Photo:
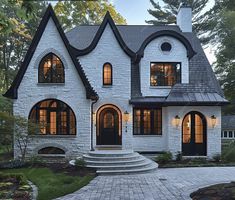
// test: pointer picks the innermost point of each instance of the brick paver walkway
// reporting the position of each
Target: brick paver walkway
(163, 184)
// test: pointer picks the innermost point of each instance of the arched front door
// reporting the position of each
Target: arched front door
(108, 130)
(194, 135)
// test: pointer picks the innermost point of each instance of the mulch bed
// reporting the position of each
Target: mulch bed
(224, 191)
(67, 169)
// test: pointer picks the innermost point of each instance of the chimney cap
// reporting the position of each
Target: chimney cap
(184, 5)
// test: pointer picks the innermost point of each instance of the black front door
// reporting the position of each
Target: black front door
(108, 128)
(194, 135)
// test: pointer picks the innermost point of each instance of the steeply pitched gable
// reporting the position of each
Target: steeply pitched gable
(12, 92)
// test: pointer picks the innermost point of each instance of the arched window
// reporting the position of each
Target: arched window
(107, 74)
(51, 70)
(54, 118)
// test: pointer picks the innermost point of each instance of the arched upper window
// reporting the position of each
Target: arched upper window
(51, 70)
(54, 117)
(107, 74)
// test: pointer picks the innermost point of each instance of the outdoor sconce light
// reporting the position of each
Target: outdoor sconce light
(177, 120)
(213, 121)
(126, 118)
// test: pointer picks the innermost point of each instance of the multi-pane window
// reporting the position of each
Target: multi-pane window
(147, 121)
(51, 70)
(107, 74)
(165, 74)
(54, 118)
(228, 134)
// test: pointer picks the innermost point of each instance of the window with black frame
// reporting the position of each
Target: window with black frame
(54, 118)
(165, 74)
(147, 121)
(51, 70)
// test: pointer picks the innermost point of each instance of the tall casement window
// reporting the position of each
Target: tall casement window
(51, 70)
(54, 118)
(165, 74)
(107, 74)
(147, 121)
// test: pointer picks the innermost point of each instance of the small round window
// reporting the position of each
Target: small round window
(166, 46)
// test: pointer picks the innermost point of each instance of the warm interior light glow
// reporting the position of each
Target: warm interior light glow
(126, 116)
(177, 120)
(213, 120)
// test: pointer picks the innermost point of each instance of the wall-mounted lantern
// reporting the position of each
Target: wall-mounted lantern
(126, 117)
(213, 121)
(177, 120)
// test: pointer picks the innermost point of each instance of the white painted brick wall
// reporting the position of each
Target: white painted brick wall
(213, 134)
(72, 93)
(108, 50)
(153, 53)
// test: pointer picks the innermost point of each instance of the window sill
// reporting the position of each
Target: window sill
(52, 136)
(147, 135)
(50, 84)
(107, 86)
(160, 87)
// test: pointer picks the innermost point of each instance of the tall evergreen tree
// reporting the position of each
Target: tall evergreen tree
(166, 14)
(225, 64)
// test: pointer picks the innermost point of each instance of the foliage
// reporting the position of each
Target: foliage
(217, 157)
(229, 153)
(80, 162)
(52, 185)
(166, 14)
(14, 186)
(179, 156)
(73, 13)
(22, 129)
(225, 65)
(164, 158)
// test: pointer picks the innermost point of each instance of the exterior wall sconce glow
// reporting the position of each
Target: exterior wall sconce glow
(213, 121)
(177, 120)
(126, 117)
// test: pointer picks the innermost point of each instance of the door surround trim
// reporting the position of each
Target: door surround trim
(204, 120)
(100, 109)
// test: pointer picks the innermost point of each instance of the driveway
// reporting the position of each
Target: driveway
(174, 183)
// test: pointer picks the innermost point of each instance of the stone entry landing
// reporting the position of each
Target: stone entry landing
(111, 162)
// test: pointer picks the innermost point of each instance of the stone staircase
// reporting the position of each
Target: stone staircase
(110, 162)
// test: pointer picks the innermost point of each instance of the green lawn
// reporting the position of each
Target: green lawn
(50, 184)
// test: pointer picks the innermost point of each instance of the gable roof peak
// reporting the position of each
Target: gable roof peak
(12, 91)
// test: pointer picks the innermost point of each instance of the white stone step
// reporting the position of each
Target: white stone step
(111, 153)
(138, 159)
(111, 158)
(118, 162)
(152, 167)
(120, 167)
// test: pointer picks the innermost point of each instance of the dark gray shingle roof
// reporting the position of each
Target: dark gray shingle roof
(228, 122)
(201, 76)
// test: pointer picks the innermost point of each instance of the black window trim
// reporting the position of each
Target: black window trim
(51, 54)
(180, 78)
(68, 109)
(142, 121)
(111, 67)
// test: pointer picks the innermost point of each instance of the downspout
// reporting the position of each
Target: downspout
(92, 104)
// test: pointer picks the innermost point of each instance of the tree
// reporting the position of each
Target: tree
(18, 23)
(225, 64)
(166, 14)
(22, 128)
(73, 13)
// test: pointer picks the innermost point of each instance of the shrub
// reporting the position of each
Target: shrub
(164, 158)
(198, 160)
(34, 160)
(179, 156)
(217, 157)
(80, 162)
(229, 153)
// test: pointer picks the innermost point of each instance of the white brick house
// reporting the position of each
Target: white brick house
(144, 88)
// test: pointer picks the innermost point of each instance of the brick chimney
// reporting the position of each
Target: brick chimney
(184, 18)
